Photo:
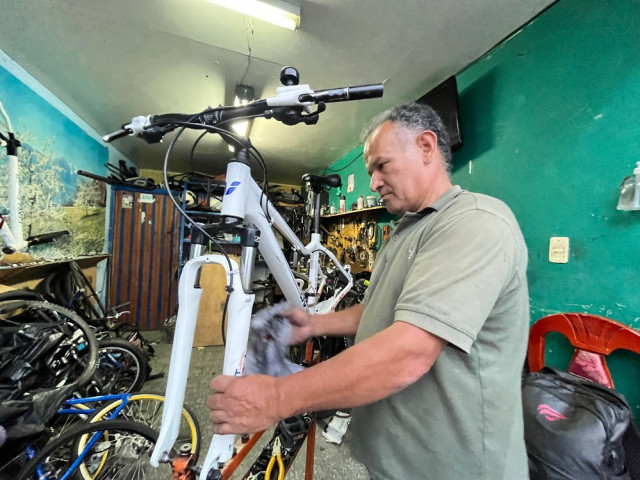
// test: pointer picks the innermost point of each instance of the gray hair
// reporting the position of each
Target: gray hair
(415, 117)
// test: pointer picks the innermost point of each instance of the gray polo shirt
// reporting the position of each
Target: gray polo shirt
(458, 270)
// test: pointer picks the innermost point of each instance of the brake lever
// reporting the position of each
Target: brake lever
(294, 116)
(154, 134)
(313, 117)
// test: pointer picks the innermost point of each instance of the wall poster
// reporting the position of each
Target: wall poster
(52, 196)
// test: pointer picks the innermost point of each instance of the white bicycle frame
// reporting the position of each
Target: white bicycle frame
(242, 199)
(11, 233)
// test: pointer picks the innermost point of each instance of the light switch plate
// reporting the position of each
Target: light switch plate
(559, 249)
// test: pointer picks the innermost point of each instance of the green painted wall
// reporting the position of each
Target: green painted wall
(351, 163)
(551, 125)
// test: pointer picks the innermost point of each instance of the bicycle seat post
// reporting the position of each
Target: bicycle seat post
(316, 209)
(317, 184)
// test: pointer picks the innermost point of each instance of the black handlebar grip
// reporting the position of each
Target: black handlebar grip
(366, 91)
(343, 94)
(123, 132)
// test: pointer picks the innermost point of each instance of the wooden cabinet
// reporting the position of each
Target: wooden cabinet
(144, 241)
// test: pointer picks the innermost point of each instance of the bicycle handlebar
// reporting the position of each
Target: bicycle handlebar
(291, 105)
(123, 132)
(361, 92)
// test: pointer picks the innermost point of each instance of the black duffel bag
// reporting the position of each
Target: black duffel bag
(576, 429)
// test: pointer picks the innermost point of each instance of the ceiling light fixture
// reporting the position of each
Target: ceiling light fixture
(278, 12)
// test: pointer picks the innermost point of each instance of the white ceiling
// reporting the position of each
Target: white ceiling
(109, 60)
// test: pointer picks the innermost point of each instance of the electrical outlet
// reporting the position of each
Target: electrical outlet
(559, 249)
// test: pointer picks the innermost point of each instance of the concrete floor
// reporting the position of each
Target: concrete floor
(332, 462)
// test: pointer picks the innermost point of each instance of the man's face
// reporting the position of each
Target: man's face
(394, 162)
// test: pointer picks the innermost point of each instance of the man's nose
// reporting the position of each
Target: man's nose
(376, 182)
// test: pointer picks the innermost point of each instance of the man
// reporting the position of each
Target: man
(440, 335)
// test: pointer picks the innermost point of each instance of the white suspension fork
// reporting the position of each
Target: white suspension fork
(239, 308)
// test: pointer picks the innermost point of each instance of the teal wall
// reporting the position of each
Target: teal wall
(550, 122)
(353, 163)
(551, 125)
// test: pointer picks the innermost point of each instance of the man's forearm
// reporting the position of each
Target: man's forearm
(342, 323)
(376, 368)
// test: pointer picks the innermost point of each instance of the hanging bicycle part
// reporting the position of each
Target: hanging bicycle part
(11, 230)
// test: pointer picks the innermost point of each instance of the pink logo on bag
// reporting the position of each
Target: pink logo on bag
(549, 413)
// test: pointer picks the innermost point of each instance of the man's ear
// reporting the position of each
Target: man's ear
(428, 143)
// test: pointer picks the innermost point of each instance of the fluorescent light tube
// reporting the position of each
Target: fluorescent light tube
(277, 12)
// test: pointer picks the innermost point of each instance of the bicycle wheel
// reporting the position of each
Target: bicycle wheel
(147, 408)
(122, 367)
(132, 334)
(122, 451)
(62, 422)
(75, 357)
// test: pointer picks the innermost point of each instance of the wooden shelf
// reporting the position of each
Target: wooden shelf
(355, 212)
(12, 274)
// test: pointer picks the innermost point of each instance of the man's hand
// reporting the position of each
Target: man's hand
(301, 327)
(243, 404)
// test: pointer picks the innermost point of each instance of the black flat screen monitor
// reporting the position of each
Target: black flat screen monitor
(444, 100)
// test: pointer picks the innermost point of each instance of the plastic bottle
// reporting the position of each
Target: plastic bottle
(360, 202)
(343, 204)
(636, 190)
(630, 191)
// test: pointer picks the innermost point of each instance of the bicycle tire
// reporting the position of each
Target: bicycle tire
(151, 415)
(60, 285)
(125, 450)
(55, 314)
(21, 294)
(46, 287)
(122, 367)
(64, 288)
(84, 295)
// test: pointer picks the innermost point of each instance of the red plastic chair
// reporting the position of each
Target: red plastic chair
(593, 337)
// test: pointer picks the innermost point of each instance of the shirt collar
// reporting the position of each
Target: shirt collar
(438, 204)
